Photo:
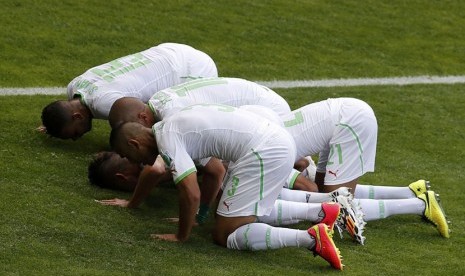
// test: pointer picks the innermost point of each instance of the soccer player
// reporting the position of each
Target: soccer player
(139, 75)
(343, 132)
(228, 91)
(379, 202)
(263, 154)
(109, 170)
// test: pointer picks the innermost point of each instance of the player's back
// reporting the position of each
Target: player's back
(213, 130)
(312, 126)
(228, 91)
(137, 75)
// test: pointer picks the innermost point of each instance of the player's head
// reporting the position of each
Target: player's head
(130, 109)
(66, 119)
(109, 170)
(135, 142)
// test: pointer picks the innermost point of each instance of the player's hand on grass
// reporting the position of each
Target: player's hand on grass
(176, 220)
(172, 220)
(165, 237)
(42, 129)
(114, 202)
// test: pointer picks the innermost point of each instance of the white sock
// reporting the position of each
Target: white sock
(303, 196)
(375, 209)
(383, 192)
(260, 236)
(288, 212)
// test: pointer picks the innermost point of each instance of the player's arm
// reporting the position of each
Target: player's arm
(304, 184)
(149, 178)
(189, 201)
(301, 164)
(320, 180)
(321, 168)
(213, 174)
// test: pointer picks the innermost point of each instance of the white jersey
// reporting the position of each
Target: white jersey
(342, 131)
(228, 91)
(139, 75)
(264, 112)
(263, 153)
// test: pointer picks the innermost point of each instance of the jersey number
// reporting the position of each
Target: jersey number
(298, 118)
(117, 67)
(331, 153)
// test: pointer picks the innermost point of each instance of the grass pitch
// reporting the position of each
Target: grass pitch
(50, 222)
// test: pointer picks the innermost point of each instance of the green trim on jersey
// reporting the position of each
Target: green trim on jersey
(358, 142)
(184, 175)
(259, 158)
(80, 97)
(339, 152)
(151, 107)
(157, 127)
(262, 174)
(292, 181)
(280, 213)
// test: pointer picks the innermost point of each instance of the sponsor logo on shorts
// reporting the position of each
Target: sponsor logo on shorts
(333, 173)
(227, 204)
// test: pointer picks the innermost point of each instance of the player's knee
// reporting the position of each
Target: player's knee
(351, 185)
(225, 226)
(303, 184)
(219, 237)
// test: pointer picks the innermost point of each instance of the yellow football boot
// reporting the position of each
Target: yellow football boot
(434, 212)
(419, 187)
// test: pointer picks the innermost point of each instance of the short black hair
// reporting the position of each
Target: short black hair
(97, 170)
(54, 118)
(115, 133)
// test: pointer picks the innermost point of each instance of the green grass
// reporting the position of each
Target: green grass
(50, 223)
(48, 43)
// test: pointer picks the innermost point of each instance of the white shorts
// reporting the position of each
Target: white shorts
(276, 103)
(352, 148)
(200, 65)
(253, 183)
